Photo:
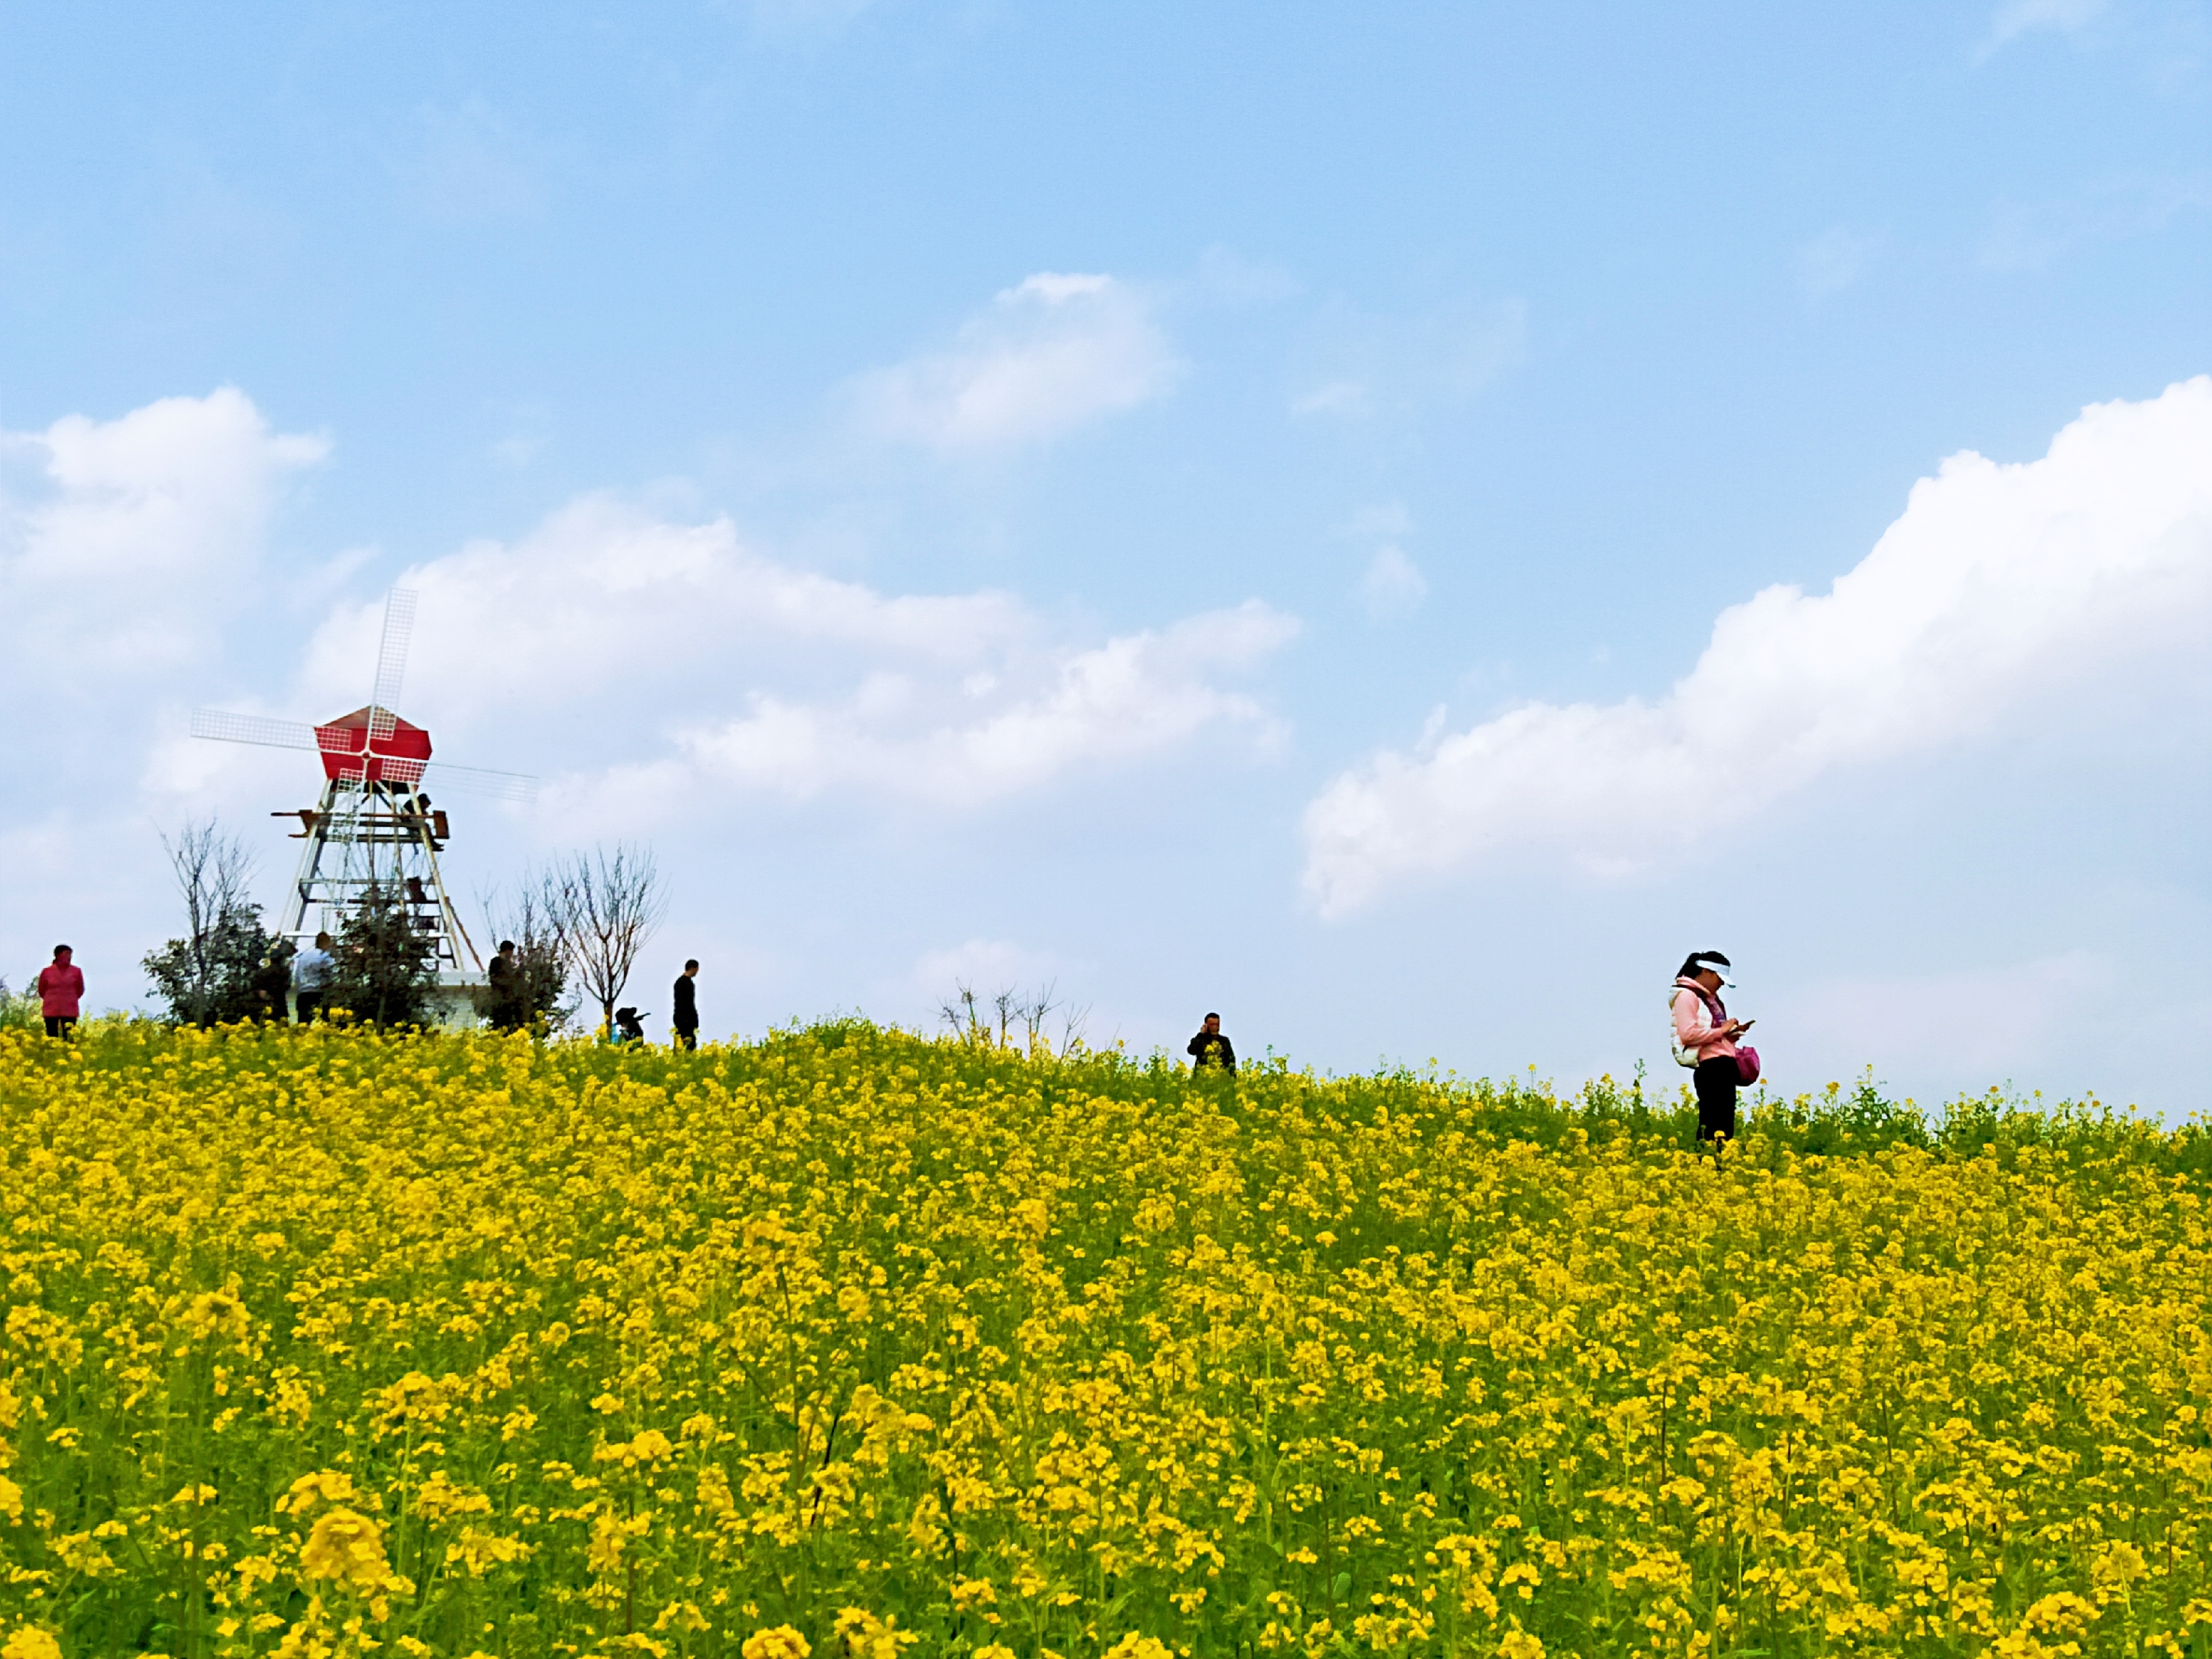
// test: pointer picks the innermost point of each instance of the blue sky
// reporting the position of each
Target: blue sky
(1138, 495)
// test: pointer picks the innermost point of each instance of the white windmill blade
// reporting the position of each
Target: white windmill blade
(226, 728)
(443, 775)
(391, 660)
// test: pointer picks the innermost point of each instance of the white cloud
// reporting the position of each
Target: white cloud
(670, 657)
(1392, 585)
(894, 733)
(124, 545)
(1047, 357)
(2000, 589)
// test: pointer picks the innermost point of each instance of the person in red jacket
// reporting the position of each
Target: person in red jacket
(61, 988)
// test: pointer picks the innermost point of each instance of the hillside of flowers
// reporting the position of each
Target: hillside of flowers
(849, 1341)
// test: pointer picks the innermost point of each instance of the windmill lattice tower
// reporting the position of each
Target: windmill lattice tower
(373, 825)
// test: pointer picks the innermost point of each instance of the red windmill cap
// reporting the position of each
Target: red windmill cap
(351, 752)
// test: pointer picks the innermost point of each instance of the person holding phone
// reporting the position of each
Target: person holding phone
(1702, 1028)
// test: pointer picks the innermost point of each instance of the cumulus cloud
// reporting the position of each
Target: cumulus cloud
(123, 542)
(672, 657)
(1999, 588)
(1133, 695)
(1050, 355)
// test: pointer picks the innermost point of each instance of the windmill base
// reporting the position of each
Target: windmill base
(458, 1002)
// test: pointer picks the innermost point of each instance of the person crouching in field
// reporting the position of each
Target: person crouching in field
(1705, 1034)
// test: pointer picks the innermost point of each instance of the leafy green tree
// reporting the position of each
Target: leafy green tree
(215, 973)
(215, 976)
(384, 968)
(18, 1013)
(533, 995)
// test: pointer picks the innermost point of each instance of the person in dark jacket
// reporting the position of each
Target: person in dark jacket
(1210, 1047)
(686, 1023)
(503, 975)
(271, 980)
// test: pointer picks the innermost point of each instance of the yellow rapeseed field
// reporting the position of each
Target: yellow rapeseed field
(853, 1342)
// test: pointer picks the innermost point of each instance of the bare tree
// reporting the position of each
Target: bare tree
(537, 995)
(603, 909)
(962, 1016)
(1074, 1027)
(205, 975)
(212, 869)
(990, 1021)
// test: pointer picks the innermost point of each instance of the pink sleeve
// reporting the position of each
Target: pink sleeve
(1692, 1029)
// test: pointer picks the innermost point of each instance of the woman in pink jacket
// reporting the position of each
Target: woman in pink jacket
(1702, 1028)
(61, 986)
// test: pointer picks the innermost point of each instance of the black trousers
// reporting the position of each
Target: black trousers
(687, 1036)
(308, 1003)
(60, 1025)
(1715, 1083)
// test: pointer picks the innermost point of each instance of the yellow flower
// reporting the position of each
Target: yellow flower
(347, 1547)
(333, 1485)
(867, 1637)
(217, 1313)
(29, 1641)
(476, 1550)
(775, 1642)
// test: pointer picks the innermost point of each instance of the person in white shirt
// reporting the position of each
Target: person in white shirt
(311, 978)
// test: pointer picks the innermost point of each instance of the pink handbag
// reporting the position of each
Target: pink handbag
(1747, 1066)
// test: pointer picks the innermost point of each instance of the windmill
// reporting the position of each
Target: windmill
(374, 825)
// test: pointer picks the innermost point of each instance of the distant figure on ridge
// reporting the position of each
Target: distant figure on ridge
(61, 988)
(686, 1023)
(271, 981)
(504, 976)
(311, 977)
(1210, 1047)
(1704, 1037)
